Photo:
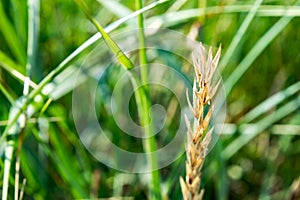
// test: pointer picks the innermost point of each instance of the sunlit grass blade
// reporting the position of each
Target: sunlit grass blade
(285, 129)
(116, 7)
(176, 5)
(230, 129)
(279, 11)
(182, 16)
(9, 149)
(13, 68)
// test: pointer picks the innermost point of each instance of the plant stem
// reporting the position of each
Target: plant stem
(150, 146)
(142, 44)
(9, 149)
(149, 143)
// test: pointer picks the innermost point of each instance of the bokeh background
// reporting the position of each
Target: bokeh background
(258, 153)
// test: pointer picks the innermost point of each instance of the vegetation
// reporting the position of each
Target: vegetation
(44, 43)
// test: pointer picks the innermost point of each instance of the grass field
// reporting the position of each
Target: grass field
(54, 54)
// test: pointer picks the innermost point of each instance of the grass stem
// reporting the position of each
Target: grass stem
(144, 110)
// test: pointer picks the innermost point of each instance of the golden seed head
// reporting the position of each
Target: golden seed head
(198, 141)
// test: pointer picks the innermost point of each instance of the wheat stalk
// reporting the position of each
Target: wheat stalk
(199, 137)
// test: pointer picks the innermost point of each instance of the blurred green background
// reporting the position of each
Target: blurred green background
(256, 157)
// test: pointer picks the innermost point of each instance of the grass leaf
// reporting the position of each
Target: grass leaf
(123, 59)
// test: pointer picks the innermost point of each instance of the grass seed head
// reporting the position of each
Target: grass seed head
(199, 138)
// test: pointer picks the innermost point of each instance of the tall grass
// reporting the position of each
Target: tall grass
(38, 139)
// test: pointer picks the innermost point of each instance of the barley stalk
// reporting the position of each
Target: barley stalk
(199, 137)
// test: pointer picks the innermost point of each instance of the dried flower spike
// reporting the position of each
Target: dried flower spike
(199, 137)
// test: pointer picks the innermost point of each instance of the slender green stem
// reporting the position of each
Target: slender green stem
(143, 106)
(9, 149)
(149, 147)
(144, 109)
(6, 94)
(142, 44)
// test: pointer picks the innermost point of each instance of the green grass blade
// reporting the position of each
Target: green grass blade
(258, 48)
(271, 102)
(5, 64)
(123, 59)
(33, 31)
(176, 5)
(142, 44)
(30, 165)
(222, 183)
(239, 35)
(14, 69)
(7, 94)
(10, 66)
(19, 9)
(67, 166)
(115, 7)
(175, 18)
(279, 11)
